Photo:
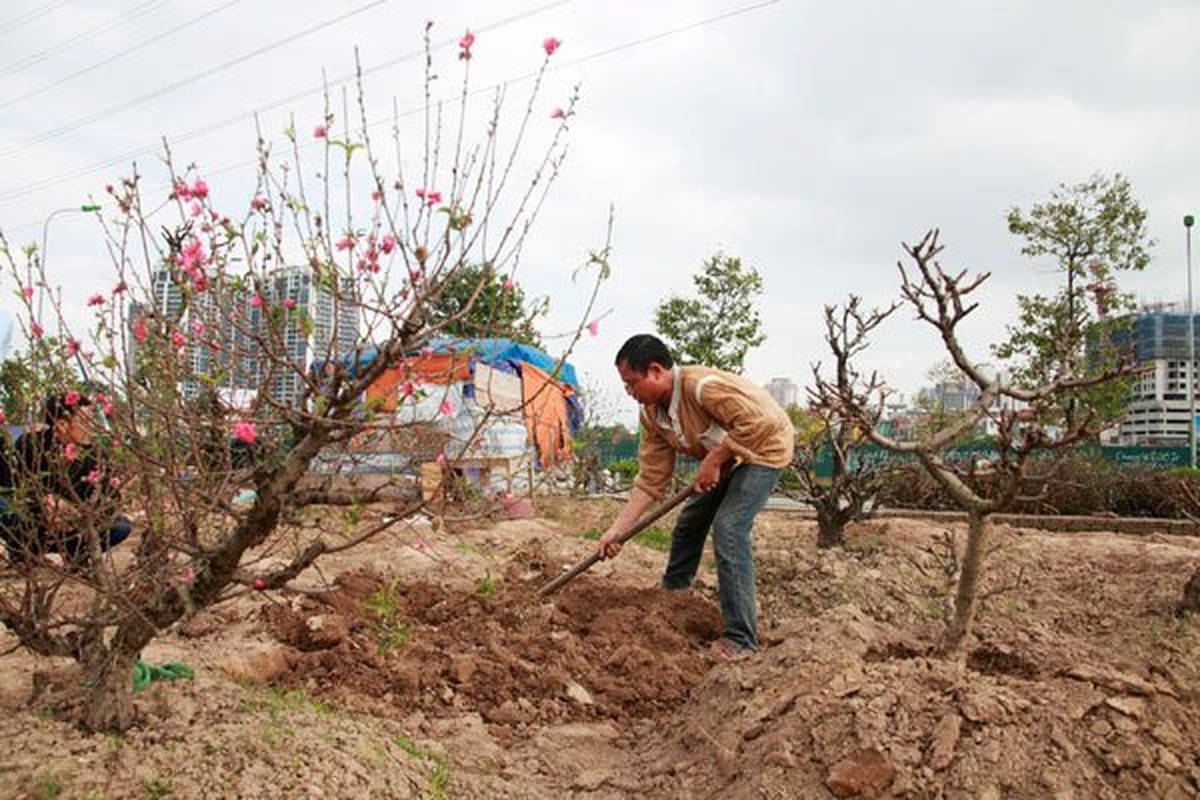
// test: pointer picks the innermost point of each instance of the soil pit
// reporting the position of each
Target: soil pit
(593, 651)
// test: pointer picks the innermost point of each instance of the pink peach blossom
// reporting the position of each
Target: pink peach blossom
(557, 113)
(27, 292)
(406, 389)
(244, 431)
(139, 329)
(320, 132)
(71, 347)
(36, 330)
(178, 340)
(120, 288)
(387, 244)
(593, 327)
(346, 243)
(509, 285)
(258, 203)
(260, 584)
(114, 482)
(464, 46)
(72, 398)
(70, 452)
(198, 328)
(257, 301)
(93, 476)
(200, 188)
(108, 409)
(447, 408)
(96, 300)
(433, 198)
(289, 303)
(551, 44)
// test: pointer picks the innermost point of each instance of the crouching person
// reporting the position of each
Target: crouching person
(58, 496)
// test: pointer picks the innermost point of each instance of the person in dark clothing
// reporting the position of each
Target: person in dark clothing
(56, 495)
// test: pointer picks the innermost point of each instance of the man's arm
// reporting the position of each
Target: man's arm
(639, 500)
(709, 473)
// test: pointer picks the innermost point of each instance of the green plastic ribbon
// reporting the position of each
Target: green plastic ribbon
(144, 674)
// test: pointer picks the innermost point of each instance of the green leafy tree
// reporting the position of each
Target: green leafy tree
(722, 324)
(476, 301)
(1091, 230)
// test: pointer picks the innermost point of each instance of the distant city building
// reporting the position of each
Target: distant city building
(320, 324)
(1158, 410)
(333, 329)
(783, 391)
(949, 397)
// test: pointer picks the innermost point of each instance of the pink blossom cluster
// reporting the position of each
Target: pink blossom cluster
(192, 260)
(369, 262)
(197, 191)
(431, 197)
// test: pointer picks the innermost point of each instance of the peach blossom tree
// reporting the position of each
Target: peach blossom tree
(233, 349)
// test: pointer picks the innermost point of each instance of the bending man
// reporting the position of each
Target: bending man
(743, 440)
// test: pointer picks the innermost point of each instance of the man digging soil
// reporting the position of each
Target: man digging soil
(743, 440)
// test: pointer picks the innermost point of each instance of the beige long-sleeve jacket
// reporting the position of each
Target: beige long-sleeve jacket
(710, 407)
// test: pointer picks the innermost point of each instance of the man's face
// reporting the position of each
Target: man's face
(75, 428)
(651, 386)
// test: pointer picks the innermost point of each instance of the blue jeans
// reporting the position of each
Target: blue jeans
(729, 509)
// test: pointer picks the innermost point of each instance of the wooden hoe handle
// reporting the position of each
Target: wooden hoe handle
(645, 522)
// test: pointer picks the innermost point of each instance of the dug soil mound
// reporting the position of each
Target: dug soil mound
(597, 651)
(1079, 683)
(429, 668)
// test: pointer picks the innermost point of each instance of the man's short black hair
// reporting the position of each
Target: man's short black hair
(642, 350)
(57, 408)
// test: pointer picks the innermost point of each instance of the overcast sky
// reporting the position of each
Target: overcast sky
(808, 138)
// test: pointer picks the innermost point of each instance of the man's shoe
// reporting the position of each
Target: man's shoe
(727, 650)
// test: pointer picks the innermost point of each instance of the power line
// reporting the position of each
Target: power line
(233, 62)
(600, 54)
(115, 56)
(151, 149)
(59, 47)
(30, 16)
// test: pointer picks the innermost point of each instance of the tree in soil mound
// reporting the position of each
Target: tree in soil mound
(1189, 603)
(296, 299)
(1019, 415)
(854, 481)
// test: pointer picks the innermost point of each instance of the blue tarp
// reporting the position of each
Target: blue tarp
(500, 349)
(490, 351)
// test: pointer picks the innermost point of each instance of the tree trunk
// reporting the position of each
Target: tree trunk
(1190, 604)
(978, 528)
(830, 528)
(109, 707)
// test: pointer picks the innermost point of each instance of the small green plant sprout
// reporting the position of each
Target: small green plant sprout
(382, 602)
(487, 585)
(155, 789)
(48, 786)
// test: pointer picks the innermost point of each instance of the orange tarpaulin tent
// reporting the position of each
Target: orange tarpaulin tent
(546, 415)
(544, 398)
(438, 368)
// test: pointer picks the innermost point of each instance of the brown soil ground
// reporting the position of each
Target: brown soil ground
(426, 667)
